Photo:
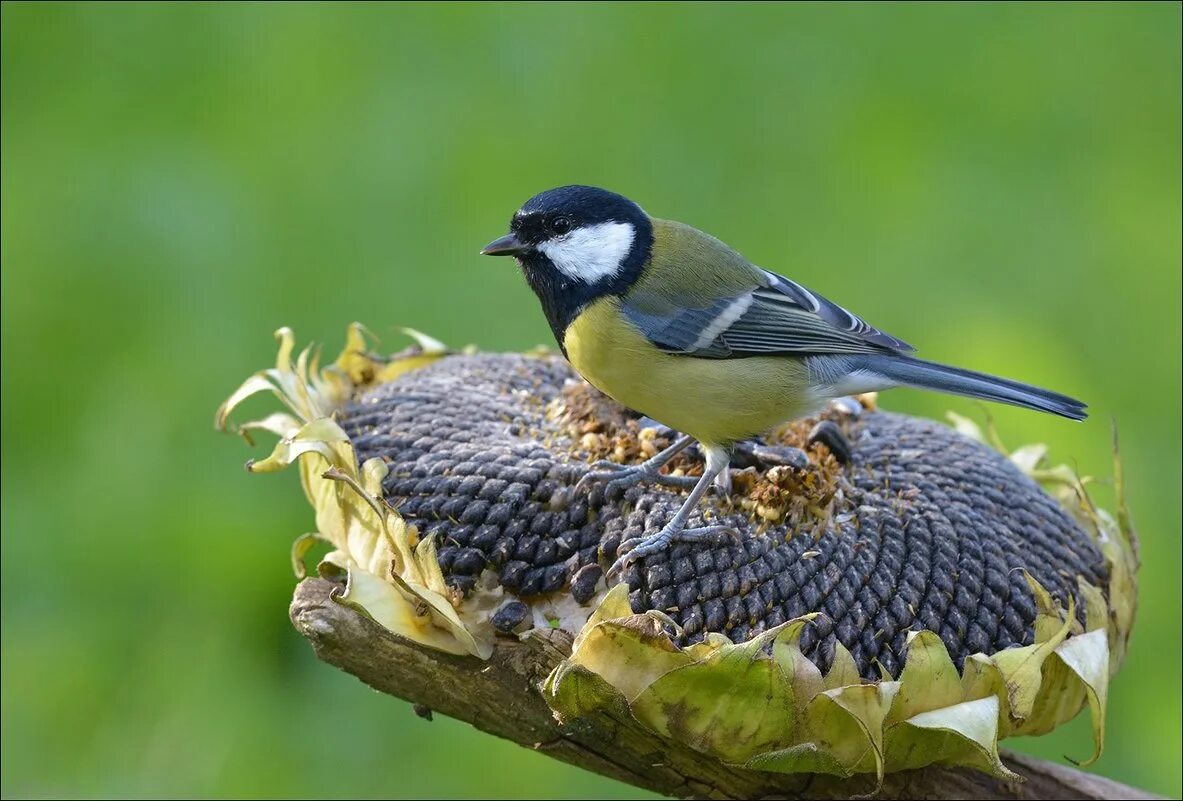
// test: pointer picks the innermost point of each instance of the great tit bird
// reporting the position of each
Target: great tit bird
(673, 323)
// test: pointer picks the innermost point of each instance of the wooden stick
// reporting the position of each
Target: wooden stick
(501, 697)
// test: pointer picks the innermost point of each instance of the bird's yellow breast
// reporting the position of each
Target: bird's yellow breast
(716, 401)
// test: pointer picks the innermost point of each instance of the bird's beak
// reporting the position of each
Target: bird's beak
(507, 245)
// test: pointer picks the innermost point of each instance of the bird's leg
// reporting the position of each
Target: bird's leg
(620, 475)
(675, 530)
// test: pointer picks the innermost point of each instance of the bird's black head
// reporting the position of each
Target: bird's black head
(576, 244)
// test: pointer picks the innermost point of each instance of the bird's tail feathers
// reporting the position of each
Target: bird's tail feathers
(909, 371)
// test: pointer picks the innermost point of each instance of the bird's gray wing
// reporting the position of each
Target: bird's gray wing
(777, 316)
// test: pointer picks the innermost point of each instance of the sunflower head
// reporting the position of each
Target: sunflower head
(913, 606)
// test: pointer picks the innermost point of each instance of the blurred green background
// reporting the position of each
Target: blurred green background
(998, 184)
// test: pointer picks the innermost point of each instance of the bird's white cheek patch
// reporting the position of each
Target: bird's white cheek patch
(591, 253)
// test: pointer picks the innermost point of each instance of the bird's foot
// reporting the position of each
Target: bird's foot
(641, 547)
(614, 475)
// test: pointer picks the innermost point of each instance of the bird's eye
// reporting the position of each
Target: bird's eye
(560, 225)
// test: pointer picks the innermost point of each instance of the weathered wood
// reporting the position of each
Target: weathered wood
(501, 697)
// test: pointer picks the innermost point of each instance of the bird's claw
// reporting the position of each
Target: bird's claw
(640, 547)
(619, 475)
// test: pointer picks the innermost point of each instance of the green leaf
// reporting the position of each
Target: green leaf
(1087, 656)
(300, 547)
(929, 679)
(734, 704)
(961, 734)
(573, 691)
(630, 653)
(614, 605)
(848, 723)
(801, 758)
(1022, 669)
(843, 670)
(798, 670)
